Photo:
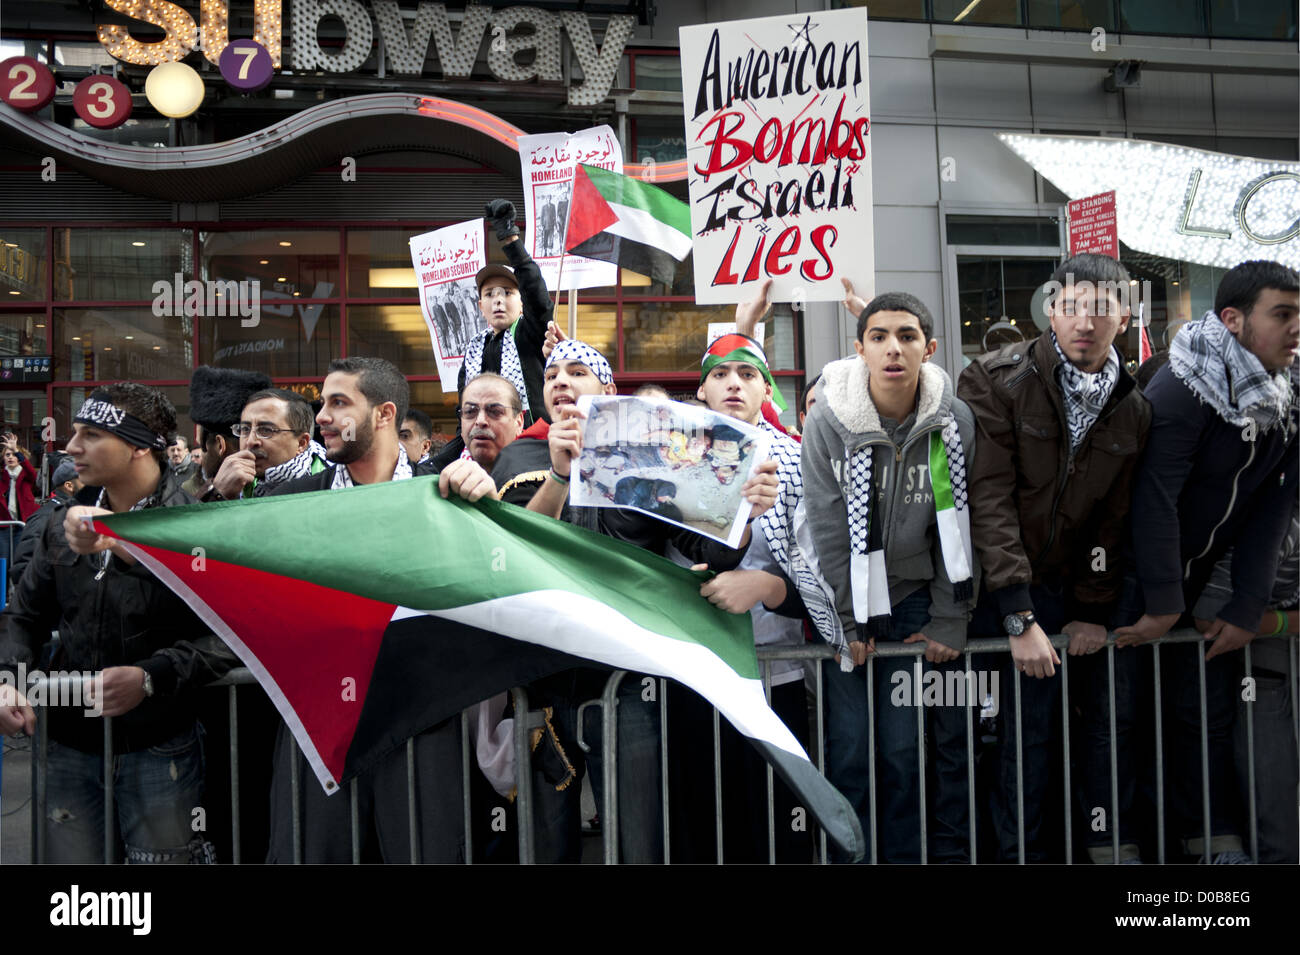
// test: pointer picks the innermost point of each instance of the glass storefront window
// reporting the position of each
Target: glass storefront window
(397, 333)
(597, 325)
(112, 344)
(23, 333)
(1004, 12)
(1071, 14)
(291, 339)
(301, 263)
(22, 264)
(1179, 17)
(638, 286)
(655, 72)
(428, 396)
(116, 265)
(998, 301)
(1003, 230)
(660, 140)
(1259, 19)
(379, 263)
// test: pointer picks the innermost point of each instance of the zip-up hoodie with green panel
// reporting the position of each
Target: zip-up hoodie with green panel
(844, 419)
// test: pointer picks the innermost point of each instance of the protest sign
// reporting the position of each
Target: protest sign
(679, 463)
(446, 261)
(778, 156)
(547, 161)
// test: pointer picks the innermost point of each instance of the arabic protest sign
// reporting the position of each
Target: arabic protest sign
(679, 463)
(446, 261)
(1093, 227)
(778, 156)
(548, 161)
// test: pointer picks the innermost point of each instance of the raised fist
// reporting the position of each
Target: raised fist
(501, 214)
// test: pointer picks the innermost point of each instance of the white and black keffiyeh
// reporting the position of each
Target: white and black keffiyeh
(1085, 395)
(778, 526)
(1223, 374)
(403, 471)
(511, 369)
(573, 350)
(867, 568)
(296, 467)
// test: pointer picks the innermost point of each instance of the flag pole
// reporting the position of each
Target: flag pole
(564, 242)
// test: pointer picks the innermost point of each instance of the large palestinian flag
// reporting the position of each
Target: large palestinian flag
(633, 224)
(371, 613)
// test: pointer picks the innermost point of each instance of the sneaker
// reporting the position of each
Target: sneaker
(1231, 857)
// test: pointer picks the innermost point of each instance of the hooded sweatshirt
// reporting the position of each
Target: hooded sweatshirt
(843, 420)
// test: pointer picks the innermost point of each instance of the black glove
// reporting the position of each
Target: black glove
(501, 214)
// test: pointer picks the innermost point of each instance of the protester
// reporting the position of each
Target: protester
(1218, 472)
(491, 416)
(364, 399)
(114, 617)
(64, 485)
(575, 369)
(513, 299)
(416, 435)
(884, 462)
(1270, 706)
(275, 446)
(809, 399)
(217, 397)
(735, 381)
(182, 463)
(1060, 426)
(18, 480)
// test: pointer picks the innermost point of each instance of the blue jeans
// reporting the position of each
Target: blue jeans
(558, 827)
(1039, 702)
(1180, 689)
(848, 760)
(155, 793)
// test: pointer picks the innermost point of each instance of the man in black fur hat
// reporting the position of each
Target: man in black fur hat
(217, 398)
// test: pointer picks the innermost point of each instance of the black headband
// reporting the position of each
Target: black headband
(108, 417)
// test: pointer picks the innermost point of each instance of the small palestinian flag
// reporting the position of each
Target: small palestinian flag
(372, 613)
(637, 226)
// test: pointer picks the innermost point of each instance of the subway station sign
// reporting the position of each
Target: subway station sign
(509, 32)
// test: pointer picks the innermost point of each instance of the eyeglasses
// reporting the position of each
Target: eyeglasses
(496, 411)
(263, 431)
(495, 291)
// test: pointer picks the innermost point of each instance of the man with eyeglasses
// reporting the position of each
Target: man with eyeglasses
(491, 416)
(275, 445)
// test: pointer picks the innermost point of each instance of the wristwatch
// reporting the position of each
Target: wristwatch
(147, 684)
(1016, 624)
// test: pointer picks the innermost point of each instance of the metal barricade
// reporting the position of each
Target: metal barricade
(526, 720)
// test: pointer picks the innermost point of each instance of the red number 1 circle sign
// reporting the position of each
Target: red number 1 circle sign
(102, 101)
(25, 83)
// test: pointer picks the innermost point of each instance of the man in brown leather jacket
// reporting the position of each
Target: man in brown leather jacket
(1059, 426)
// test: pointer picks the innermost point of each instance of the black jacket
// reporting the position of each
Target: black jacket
(117, 616)
(529, 331)
(1201, 488)
(25, 546)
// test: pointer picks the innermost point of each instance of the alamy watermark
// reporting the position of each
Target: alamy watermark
(1108, 296)
(211, 298)
(83, 689)
(960, 688)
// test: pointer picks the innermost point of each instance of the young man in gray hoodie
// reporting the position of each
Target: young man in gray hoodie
(884, 457)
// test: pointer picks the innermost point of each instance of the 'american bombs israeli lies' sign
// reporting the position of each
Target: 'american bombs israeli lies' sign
(779, 155)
